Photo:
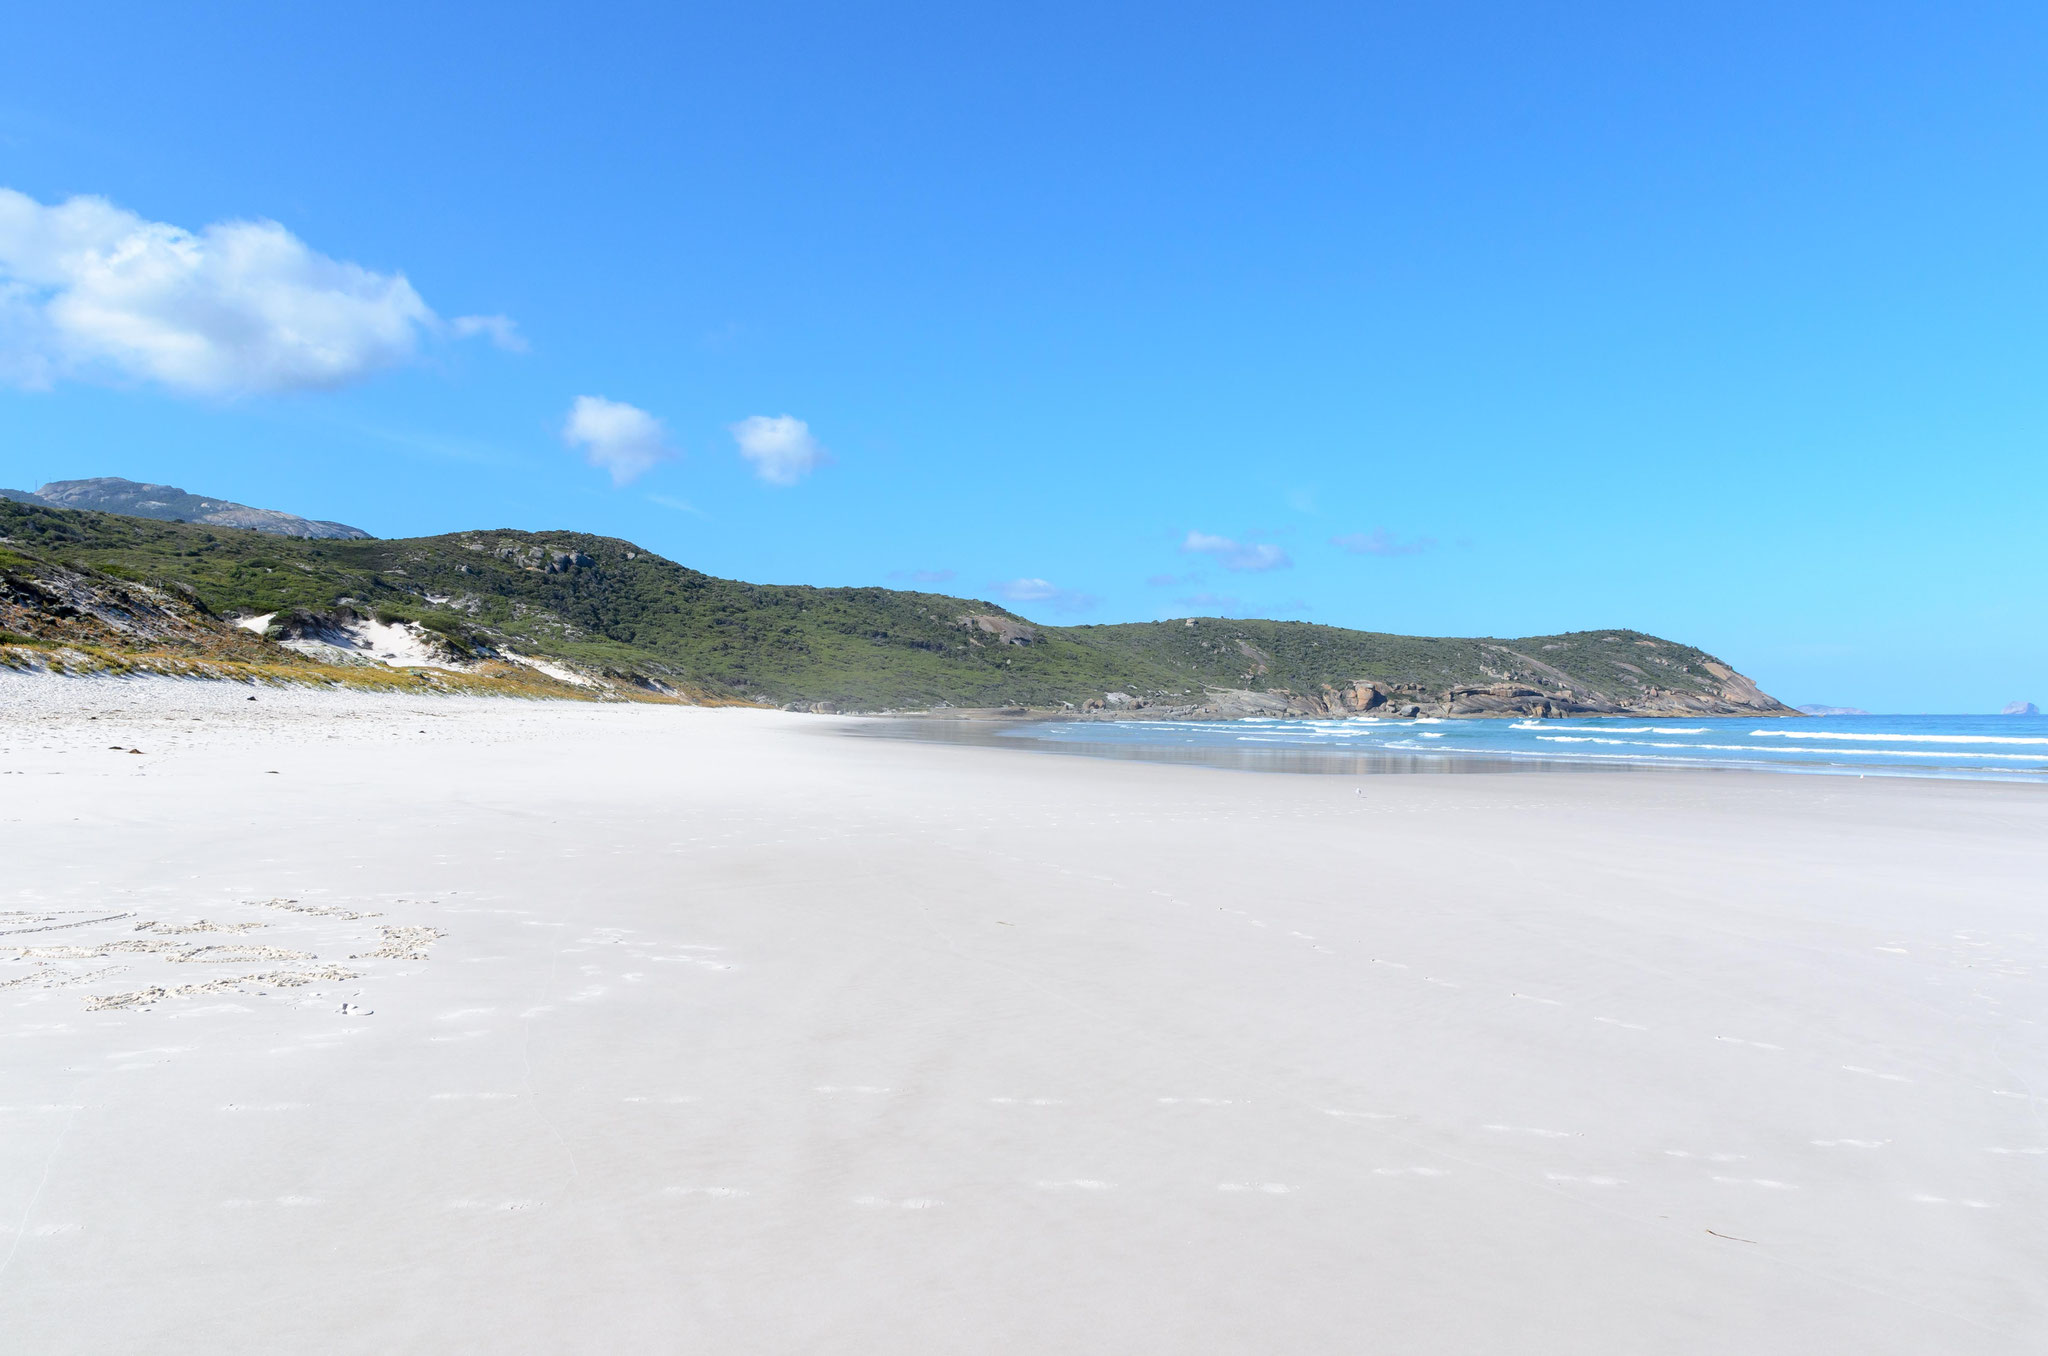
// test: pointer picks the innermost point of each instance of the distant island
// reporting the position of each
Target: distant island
(2020, 709)
(168, 503)
(1831, 711)
(574, 613)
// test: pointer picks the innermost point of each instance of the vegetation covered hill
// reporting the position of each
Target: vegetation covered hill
(607, 608)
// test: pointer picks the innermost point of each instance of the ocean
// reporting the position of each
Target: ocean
(2002, 748)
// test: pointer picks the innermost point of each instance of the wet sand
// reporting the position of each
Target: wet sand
(371, 1024)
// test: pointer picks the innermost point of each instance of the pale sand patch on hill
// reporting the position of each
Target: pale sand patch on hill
(657, 1028)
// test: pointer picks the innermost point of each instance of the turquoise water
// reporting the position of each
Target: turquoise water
(2005, 748)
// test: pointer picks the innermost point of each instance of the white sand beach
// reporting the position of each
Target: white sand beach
(378, 1024)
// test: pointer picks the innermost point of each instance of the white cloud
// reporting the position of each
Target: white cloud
(1235, 555)
(620, 438)
(91, 291)
(1044, 591)
(781, 448)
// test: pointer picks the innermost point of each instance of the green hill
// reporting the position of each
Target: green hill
(608, 608)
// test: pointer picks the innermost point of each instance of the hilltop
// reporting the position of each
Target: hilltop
(168, 503)
(613, 617)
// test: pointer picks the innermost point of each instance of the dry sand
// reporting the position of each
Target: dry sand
(532, 1027)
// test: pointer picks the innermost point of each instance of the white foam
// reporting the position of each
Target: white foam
(1613, 729)
(1893, 738)
(1766, 748)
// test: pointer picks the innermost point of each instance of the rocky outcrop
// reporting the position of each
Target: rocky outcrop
(1006, 630)
(1398, 701)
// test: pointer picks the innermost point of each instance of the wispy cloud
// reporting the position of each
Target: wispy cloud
(924, 576)
(1253, 556)
(1380, 542)
(780, 447)
(500, 330)
(679, 505)
(90, 291)
(623, 439)
(1043, 591)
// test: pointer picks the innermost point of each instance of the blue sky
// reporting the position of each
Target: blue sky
(1457, 319)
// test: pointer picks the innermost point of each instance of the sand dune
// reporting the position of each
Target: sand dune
(373, 1024)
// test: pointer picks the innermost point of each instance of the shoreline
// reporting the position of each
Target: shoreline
(1012, 733)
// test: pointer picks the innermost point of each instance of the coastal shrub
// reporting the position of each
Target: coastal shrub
(858, 647)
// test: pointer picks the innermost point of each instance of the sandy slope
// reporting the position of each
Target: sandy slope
(712, 1031)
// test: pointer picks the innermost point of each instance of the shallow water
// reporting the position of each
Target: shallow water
(2001, 748)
